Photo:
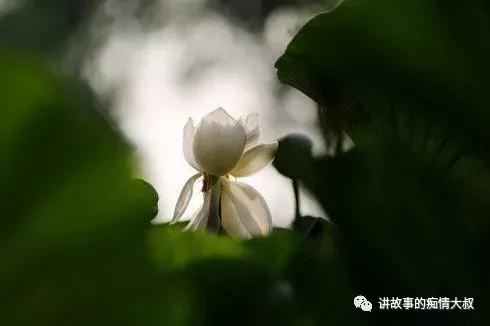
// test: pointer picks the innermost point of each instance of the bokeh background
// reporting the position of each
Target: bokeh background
(159, 63)
(153, 64)
(382, 111)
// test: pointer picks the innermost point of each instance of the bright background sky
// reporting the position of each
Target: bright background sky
(187, 62)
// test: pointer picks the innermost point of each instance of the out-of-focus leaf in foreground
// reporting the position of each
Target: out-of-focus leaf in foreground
(426, 53)
(77, 245)
(406, 81)
(71, 219)
(42, 26)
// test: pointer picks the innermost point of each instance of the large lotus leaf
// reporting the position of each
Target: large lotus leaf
(427, 56)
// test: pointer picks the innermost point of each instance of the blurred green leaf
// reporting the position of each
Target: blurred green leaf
(43, 26)
(405, 81)
(73, 224)
(173, 248)
(429, 57)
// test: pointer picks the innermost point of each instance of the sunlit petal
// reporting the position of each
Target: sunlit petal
(230, 219)
(219, 143)
(207, 217)
(189, 134)
(184, 198)
(244, 209)
(251, 126)
(255, 159)
(200, 218)
(220, 116)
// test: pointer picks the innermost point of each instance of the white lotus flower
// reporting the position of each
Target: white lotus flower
(221, 148)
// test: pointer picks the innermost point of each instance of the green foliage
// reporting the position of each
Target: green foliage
(71, 218)
(406, 82)
(43, 25)
(77, 245)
